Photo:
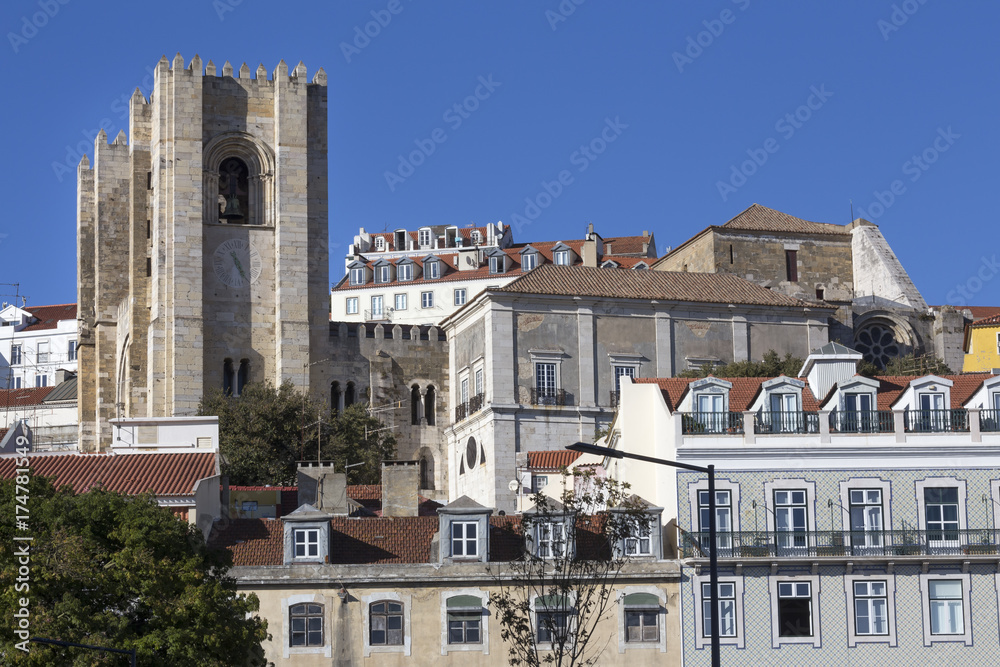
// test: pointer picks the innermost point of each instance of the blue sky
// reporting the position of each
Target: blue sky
(653, 108)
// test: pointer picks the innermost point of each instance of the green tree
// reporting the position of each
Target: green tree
(120, 572)
(771, 365)
(565, 592)
(264, 431)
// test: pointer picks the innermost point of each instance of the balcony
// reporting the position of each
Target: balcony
(771, 423)
(855, 421)
(378, 315)
(708, 423)
(548, 396)
(989, 421)
(936, 421)
(825, 544)
(474, 405)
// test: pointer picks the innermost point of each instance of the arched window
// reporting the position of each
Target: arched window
(306, 623)
(335, 396)
(426, 471)
(414, 405)
(243, 377)
(385, 620)
(234, 191)
(228, 377)
(349, 395)
(429, 405)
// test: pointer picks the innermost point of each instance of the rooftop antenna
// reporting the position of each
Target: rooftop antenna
(852, 209)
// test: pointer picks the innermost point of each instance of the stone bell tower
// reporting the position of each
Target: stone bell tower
(202, 243)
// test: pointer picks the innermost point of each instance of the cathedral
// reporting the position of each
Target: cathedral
(202, 243)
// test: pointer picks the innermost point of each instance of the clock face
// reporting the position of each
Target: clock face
(237, 263)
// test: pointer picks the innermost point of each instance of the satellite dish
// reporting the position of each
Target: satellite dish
(514, 485)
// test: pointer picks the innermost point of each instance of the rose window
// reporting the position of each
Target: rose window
(878, 344)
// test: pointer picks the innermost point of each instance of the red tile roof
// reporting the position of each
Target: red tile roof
(369, 496)
(16, 398)
(979, 312)
(660, 285)
(172, 474)
(252, 541)
(990, 321)
(382, 540)
(764, 219)
(741, 396)
(49, 316)
(552, 460)
(627, 245)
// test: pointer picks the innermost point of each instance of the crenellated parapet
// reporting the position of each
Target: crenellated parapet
(281, 73)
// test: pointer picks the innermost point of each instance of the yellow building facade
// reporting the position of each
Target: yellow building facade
(982, 345)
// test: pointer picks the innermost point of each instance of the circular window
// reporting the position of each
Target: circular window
(878, 344)
(470, 452)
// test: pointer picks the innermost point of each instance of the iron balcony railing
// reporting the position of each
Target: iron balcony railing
(378, 315)
(707, 423)
(989, 420)
(808, 544)
(548, 396)
(858, 421)
(469, 408)
(786, 422)
(936, 421)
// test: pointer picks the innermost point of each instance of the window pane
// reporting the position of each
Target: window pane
(945, 589)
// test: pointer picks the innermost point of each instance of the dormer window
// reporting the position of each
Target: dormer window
(424, 237)
(476, 237)
(358, 276)
(382, 274)
(432, 270)
(306, 543)
(465, 525)
(306, 536)
(380, 243)
(561, 257)
(497, 264)
(780, 408)
(464, 539)
(640, 266)
(550, 539)
(404, 271)
(529, 260)
(609, 265)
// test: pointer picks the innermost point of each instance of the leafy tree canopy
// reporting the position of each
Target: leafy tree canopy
(264, 431)
(770, 366)
(119, 572)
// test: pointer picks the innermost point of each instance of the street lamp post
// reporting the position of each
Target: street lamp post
(713, 555)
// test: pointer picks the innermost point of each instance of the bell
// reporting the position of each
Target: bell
(232, 211)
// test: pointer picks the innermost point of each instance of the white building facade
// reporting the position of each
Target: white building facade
(35, 343)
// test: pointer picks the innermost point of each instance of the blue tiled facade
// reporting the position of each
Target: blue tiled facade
(909, 640)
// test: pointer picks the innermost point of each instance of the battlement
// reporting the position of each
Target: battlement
(280, 73)
(377, 330)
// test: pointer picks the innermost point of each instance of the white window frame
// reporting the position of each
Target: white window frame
(432, 270)
(484, 626)
(404, 272)
(41, 380)
(42, 352)
(858, 483)
(966, 635)
(312, 536)
(461, 296)
(17, 382)
(529, 260)
(700, 640)
(382, 274)
(661, 643)
(942, 482)
(814, 611)
(427, 299)
(366, 602)
(497, 264)
(791, 485)
(351, 305)
(16, 354)
(561, 258)
(380, 243)
(480, 382)
(71, 350)
(424, 237)
(570, 621)
(399, 301)
(694, 488)
(378, 305)
(552, 541)
(358, 276)
(326, 650)
(853, 639)
(464, 540)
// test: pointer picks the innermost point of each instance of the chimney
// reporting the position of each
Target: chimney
(62, 375)
(323, 488)
(400, 480)
(645, 242)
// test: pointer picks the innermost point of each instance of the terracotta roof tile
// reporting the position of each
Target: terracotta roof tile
(12, 398)
(49, 316)
(252, 541)
(369, 496)
(626, 245)
(764, 219)
(382, 540)
(992, 320)
(552, 460)
(741, 396)
(661, 285)
(172, 474)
